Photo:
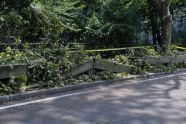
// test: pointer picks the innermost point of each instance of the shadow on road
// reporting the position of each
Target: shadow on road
(153, 102)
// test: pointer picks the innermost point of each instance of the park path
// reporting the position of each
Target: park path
(155, 101)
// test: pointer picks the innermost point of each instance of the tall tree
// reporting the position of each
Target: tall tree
(163, 7)
(167, 20)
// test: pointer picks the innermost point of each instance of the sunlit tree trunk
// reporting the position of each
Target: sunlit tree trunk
(161, 22)
(166, 21)
(164, 11)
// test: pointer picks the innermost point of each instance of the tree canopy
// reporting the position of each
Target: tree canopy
(105, 23)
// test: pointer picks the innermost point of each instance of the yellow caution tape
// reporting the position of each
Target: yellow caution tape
(178, 47)
(117, 49)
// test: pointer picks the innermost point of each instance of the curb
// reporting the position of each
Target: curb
(65, 89)
(4, 98)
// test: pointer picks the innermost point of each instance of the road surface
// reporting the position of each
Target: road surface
(155, 101)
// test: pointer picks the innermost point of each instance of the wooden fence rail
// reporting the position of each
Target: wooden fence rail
(19, 46)
(161, 60)
(79, 69)
(6, 71)
(103, 65)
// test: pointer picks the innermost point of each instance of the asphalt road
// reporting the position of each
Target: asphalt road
(155, 101)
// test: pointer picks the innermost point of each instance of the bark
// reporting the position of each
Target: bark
(153, 19)
(166, 22)
(154, 14)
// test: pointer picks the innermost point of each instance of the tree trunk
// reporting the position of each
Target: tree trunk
(153, 18)
(166, 22)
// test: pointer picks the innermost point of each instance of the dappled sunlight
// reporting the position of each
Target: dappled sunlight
(92, 62)
(148, 102)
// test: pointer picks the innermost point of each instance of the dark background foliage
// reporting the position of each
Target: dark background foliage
(97, 23)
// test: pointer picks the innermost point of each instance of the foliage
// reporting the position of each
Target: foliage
(98, 23)
(48, 63)
(111, 23)
(13, 85)
(34, 20)
(93, 23)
